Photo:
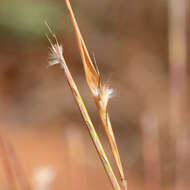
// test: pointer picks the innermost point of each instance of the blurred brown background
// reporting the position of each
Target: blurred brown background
(131, 41)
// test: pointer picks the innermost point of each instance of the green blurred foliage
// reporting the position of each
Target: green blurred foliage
(24, 20)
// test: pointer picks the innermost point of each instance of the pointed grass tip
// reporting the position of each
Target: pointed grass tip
(56, 49)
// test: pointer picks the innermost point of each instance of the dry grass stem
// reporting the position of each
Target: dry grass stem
(177, 15)
(6, 163)
(17, 166)
(56, 57)
(101, 93)
(151, 150)
(12, 167)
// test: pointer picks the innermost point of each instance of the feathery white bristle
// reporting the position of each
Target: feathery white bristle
(56, 55)
(96, 92)
(109, 92)
(106, 94)
(56, 50)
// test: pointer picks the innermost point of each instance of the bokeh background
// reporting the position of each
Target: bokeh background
(141, 48)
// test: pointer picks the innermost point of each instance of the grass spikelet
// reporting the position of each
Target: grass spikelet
(56, 57)
(100, 93)
(91, 72)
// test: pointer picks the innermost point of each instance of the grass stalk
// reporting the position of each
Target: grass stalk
(56, 57)
(101, 94)
(17, 166)
(12, 167)
(178, 85)
(151, 151)
(6, 163)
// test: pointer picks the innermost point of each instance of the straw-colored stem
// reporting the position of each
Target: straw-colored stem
(111, 137)
(91, 128)
(87, 63)
(90, 71)
(151, 151)
(6, 164)
(76, 28)
(17, 166)
(178, 85)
